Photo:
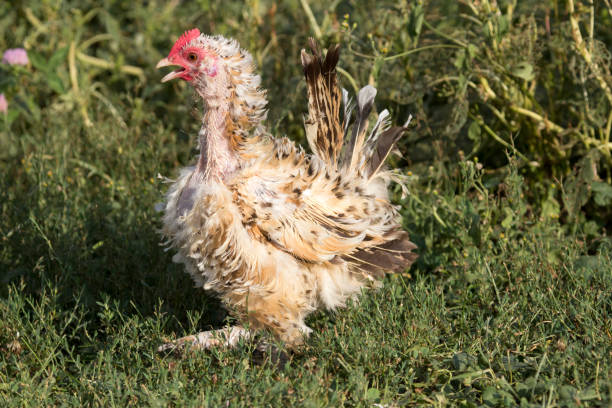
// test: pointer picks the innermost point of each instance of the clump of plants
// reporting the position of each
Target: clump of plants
(486, 77)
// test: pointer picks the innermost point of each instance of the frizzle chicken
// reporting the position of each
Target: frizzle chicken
(277, 233)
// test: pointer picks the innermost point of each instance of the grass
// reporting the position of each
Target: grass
(509, 304)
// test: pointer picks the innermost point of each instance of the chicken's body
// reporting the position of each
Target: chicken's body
(275, 232)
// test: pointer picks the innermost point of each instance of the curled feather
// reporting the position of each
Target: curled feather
(385, 145)
(365, 101)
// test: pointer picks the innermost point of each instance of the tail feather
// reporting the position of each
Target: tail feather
(325, 133)
(361, 153)
(323, 128)
(393, 256)
(383, 146)
(382, 124)
(365, 102)
(348, 110)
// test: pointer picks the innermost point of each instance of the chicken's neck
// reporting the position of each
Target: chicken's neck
(218, 159)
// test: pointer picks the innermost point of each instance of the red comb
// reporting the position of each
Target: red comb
(183, 39)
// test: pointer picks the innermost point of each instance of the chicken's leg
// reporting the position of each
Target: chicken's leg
(226, 337)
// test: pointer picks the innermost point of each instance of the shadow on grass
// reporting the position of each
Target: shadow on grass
(104, 255)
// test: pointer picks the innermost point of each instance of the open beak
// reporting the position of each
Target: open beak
(165, 62)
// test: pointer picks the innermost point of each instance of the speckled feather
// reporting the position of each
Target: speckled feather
(275, 232)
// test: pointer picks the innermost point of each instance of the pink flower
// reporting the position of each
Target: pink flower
(15, 56)
(3, 103)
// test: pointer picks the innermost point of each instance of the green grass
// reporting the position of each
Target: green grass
(510, 302)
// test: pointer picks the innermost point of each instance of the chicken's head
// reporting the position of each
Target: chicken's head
(221, 72)
(195, 60)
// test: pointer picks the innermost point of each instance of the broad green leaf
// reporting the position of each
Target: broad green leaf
(508, 219)
(602, 193)
(550, 208)
(459, 59)
(57, 58)
(114, 29)
(55, 82)
(567, 392)
(373, 394)
(497, 397)
(462, 361)
(11, 115)
(38, 61)
(472, 50)
(474, 131)
(6, 79)
(415, 21)
(502, 26)
(523, 70)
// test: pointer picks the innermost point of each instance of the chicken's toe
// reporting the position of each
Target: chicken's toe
(226, 337)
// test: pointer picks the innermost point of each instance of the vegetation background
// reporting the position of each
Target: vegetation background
(509, 166)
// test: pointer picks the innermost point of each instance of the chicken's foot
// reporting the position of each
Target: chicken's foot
(226, 337)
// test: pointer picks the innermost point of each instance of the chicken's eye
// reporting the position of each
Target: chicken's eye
(192, 57)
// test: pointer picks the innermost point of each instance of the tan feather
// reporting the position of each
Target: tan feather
(323, 127)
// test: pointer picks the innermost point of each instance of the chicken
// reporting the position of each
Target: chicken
(277, 233)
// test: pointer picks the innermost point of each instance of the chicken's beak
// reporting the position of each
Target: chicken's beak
(165, 62)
